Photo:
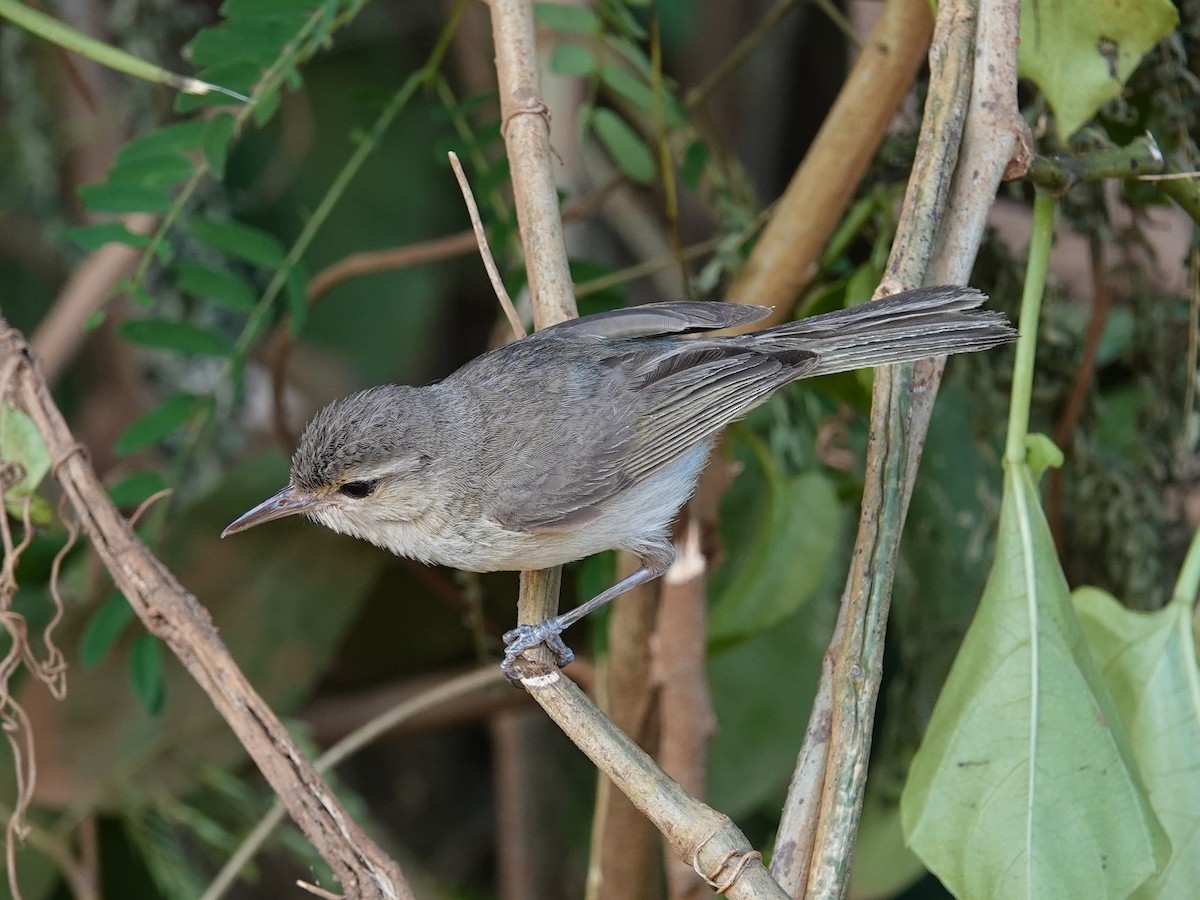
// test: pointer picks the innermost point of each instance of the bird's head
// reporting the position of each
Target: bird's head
(360, 465)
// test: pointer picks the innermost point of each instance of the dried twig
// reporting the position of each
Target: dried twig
(484, 251)
(681, 673)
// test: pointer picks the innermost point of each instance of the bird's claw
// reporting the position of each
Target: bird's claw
(526, 637)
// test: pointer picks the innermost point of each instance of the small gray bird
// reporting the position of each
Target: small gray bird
(586, 436)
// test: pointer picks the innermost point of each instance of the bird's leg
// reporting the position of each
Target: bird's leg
(549, 632)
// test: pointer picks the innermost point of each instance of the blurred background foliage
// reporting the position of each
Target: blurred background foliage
(135, 768)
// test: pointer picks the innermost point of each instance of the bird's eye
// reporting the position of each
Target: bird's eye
(358, 489)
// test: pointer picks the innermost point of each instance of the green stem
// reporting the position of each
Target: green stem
(51, 29)
(1041, 237)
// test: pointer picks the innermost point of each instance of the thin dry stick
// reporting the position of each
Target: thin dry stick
(680, 671)
(485, 252)
(172, 614)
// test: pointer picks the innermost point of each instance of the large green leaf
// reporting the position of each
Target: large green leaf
(780, 535)
(1025, 785)
(1149, 663)
(1080, 52)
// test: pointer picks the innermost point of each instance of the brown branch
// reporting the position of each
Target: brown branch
(525, 124)
(626, 854)
(174, 615)
(785, 258)
(681, 671)
(698, 833)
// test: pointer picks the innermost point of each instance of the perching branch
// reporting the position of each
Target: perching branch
(175, 616)
(698, 833)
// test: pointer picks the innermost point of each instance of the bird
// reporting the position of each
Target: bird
(586, 436)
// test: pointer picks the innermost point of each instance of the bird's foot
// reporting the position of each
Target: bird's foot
(526, 637)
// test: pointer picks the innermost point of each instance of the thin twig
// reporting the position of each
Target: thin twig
(485, 252)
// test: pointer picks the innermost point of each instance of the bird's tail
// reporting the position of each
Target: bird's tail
(928, 321)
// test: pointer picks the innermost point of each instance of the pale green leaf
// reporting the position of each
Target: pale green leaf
(624, 145)
(567, 17)
(572, 60)
(1042, 453)
(21, 444)
(1025, 785)
(1148, 661)
(1080, 52)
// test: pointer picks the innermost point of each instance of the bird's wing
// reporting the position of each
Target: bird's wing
(571, 436)
(688, 395)
(652, 319)
(660, 399)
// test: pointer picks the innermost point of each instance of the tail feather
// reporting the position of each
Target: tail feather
(908, 326)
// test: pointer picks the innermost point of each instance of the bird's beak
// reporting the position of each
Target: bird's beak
(287, 502)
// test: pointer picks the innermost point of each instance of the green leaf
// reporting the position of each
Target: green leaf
(217, 137)
(777, 553)
(153, 426)
(218, 285)
(1080, 52)
(625, 84)
(124, 197)
(171, 335)
(624, 145)
(1026, 784)
(754, 750)
(567, 18)
(1148, 661)
(241, 241)
(1041, 454)
(135, 488)
(21, 444)
(146, 673)
(573, 60)
(103, 629)
(93, 237)
(695, 161)
(171, 140)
